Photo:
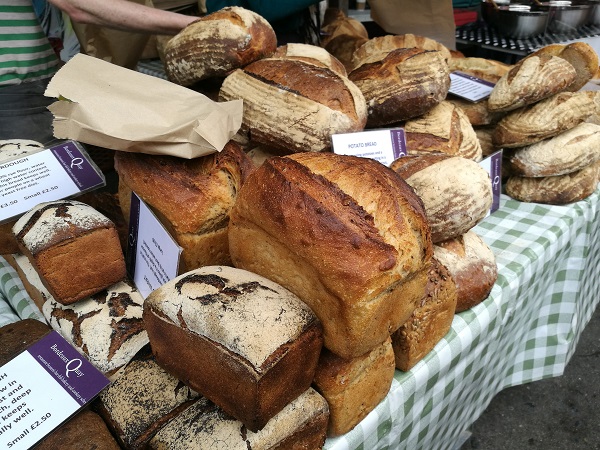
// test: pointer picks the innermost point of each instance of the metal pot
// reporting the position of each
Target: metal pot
(564, 16)
(515, 21)
(594, 14)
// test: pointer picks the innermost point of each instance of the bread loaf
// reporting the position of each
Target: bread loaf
(555, 190)
(354, 387)
(402, 84)
(532, 79)
(293, 105)
(567, 152)
(472, 265)
(544, 119)
(17, 336)
(302, 424)
(240, 340)
(484, 68)
(141, 401)
(478, 113)
(456, 192)
(75, 249)
(311, 54)
(356, 252)
(378, 47)
(445, 128)
(218, 43)
(429, 323)
(192, 198)
(342, 35)
(12, 149)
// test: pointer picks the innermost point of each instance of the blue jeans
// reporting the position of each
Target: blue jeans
(23, 112)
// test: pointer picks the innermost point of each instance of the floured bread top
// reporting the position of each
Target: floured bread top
(246, 313)
(14, 148)
(141, 395)
(106, 327)
(49, 223)
(204, 426)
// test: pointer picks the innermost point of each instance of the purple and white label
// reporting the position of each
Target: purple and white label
(51, 174)
(41, 388)
(469, 87)
(493, 165)
(384, 145)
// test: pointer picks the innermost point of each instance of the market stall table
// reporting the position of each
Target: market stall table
(527, 330)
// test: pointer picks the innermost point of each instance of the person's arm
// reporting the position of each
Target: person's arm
(124, 15)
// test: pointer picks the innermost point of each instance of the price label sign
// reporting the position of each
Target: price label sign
(41, 388)
(51, 174)
(384, 146)
(469, 87)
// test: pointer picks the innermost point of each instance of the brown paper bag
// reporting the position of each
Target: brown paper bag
(120, 109)
(430, 18)
(123, 48)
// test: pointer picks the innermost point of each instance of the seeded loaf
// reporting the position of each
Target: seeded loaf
(354, 387)
(555, 190)
(472, 266)
(356, 253)
(75, 249)
(293, 105)
(240, 340)
(12, 149)
(141, 401)
(302, 424)
(567, 152)
(456, 192)
(532, 79)
(401, 84)
(544, 119)
(191, 198)
(444, 128)
(429, 323)
(216, 44)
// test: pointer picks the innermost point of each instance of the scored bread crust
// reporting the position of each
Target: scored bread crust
(355, 252)
(312, 54)
(486, 69)
(406, 83)
(218, 43)
(293, 105)
(532, 79)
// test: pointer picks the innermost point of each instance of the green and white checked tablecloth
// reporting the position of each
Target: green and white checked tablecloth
(528, 328)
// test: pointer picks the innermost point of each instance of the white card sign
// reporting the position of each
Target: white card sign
(469, 87)
(384, 146)
(152, 255)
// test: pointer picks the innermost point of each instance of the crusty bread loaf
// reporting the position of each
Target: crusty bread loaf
(192, 198)
(302, 424)
(484, 68)
(456, 192)
(429, 323)
(567, 152)
(402, 84)
(472, 265)
(484, 134)
(312, 54)
(141, 401)
(555, 190)
(240, 340)
(445, 128)
(356, 252)
(342, 35)
(75, 249)
(532, 79)
(477, 112)
(218, 43)
(354, 387)
(343, 48)
(85, 430)
(106, 328)
(11, 149)
(17, 336)
(544, 119)
(295, 106)
(580, 55)
(378, 47)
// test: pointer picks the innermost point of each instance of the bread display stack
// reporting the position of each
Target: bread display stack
(551, 153)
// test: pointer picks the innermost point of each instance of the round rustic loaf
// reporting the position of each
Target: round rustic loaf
(567, 152)
(402, 84)
(293, 105)
(191, 197)
(456, 192)
(311, 54)
(344, 233)
(477, 112)
(486, 69)
(472, 265)
(218, 43)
